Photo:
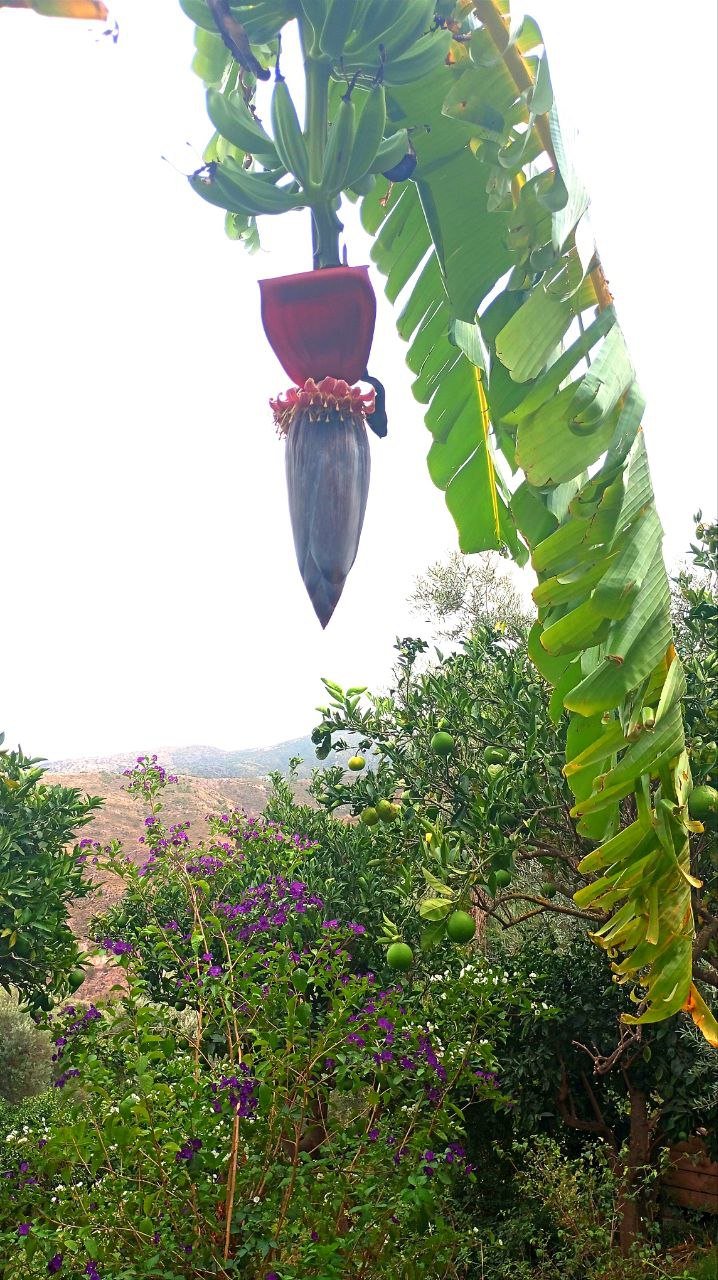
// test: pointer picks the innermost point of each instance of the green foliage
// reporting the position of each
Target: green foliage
(35, 1114)
(25, 1065)
(39, 876)
(462, 596)
(258, 1103)
(546, 1065)
(522, 357)
(496, 807)
(561, 1221)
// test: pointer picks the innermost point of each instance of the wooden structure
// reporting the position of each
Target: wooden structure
(692, 1179)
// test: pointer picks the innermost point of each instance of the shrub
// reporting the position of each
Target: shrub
(39, 876)
(259, 1104)
(25, 1053)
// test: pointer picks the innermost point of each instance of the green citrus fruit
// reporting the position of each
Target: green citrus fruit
(494, 770)
(496, 755)
(502, 878)
(460, 926)
(400, 956)
(703, 802)
(75, 979)
(386, 809)
(369, 816)
(548, 890)
(442, 743)
(355, 763)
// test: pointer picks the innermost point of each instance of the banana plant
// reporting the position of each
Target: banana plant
(353, 53)
(480, 228)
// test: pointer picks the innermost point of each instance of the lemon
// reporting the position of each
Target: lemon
(400, 956)
(460, 926)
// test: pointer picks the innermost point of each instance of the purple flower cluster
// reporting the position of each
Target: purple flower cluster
(117, 947)
(91, 1271)
(242, 828)
(91, 1014)
(268, 906)
(205, 865)
(189, 1150)
(242, 1096)
(147, 776)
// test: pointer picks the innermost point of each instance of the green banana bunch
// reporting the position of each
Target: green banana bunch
(395, 33)
(427, 54)
(232, 118)
(232, 188)
(368, 137)
(339, 148)
(288, 136)
(337, 26)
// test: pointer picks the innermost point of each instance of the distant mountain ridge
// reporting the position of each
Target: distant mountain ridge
(208, 762)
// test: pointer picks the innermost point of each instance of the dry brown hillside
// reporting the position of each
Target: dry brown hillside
(122, 818)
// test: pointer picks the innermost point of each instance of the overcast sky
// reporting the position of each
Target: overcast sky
(148, 586)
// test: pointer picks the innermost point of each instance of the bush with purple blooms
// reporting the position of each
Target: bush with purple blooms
(260, 1102)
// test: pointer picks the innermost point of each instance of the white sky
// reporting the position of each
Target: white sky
(149, 590)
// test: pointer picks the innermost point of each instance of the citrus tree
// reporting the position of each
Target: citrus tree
(40, 875)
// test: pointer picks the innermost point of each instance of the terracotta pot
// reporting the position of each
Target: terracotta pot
(320, 323)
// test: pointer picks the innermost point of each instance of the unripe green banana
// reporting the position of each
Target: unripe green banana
(337, 25)
(415, 21)
(252, 193)
(363, 185)
(288, 136)
(427, 54)
(384, 28)
(338, 151)
(369, 135)
(232, 118)
(391, 151)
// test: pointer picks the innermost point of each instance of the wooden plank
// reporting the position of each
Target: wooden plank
(692, 1199)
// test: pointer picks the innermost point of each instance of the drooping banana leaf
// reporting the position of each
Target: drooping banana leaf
(530, 392)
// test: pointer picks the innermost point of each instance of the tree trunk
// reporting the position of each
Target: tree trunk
(631, 1205)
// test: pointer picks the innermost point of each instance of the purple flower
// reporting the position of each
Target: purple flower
(54, 1264)
(330, 924)
(215, 971)
(356, 928)
(24, 1229)
(372, 1135)
(91, 1271)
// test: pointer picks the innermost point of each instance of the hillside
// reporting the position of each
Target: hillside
(207, 762)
